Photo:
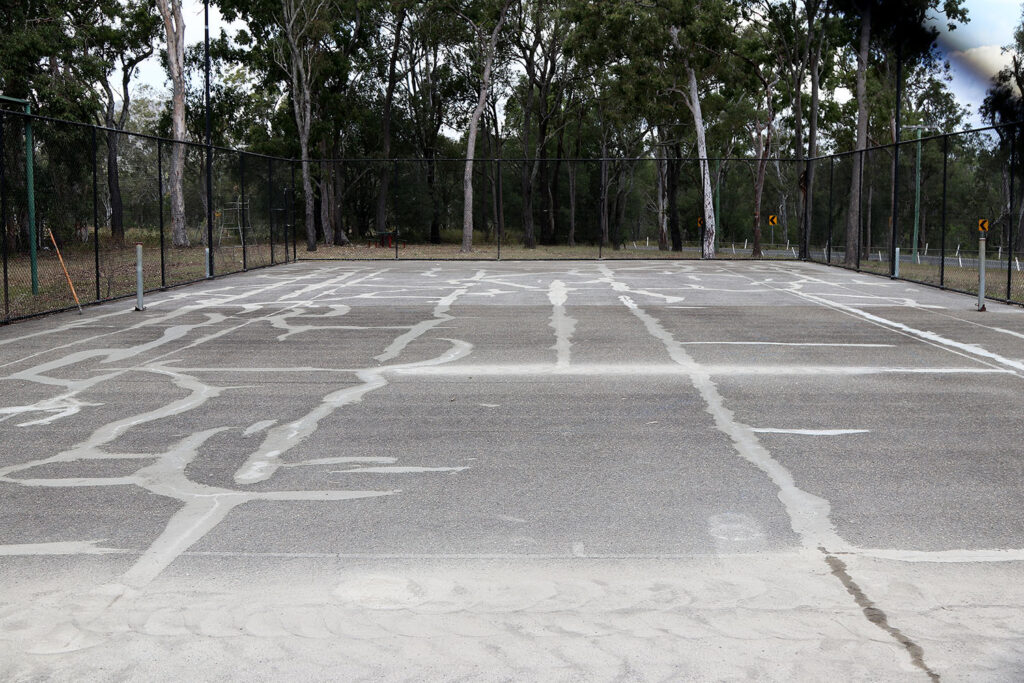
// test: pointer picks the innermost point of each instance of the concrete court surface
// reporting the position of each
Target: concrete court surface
(516, 471)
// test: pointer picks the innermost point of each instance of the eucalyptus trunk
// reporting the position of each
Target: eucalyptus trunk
(853, 216)
(474, 124)
(174, 28)
(708, 247)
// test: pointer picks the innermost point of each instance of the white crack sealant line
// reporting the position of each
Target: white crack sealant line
(148, 322)
(440, 314)
(767, 343)
(378, 459)
(931, 337)
(281, 320)
(300, 368)
(809, 432)
(110, 355)
(257, 427)
(609, 278)
(199, 393)
(67, 327)
(193, 521)
(67, 404)
(1006, 331)
(882, 300)
(263, 462)
(204, 507)
(970, 349)
(398, 469)
(59, 407)
(967, 556)
(563, 324)
(73, 482)
(794, 288)
(809, 514)
(670, 370)
(60, 548)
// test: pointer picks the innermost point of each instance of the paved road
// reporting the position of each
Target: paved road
(558, 471)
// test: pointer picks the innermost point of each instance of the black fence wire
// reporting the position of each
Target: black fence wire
(94, 193)
(910, 210)
(913, 211)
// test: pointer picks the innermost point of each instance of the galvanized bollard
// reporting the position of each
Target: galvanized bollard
(981, 270)
(138, 278)
(206, 259)
(896, 264)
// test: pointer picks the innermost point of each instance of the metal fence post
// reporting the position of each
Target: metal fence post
(499, 218)
(394, 183)
(805, 238)
(860, 208)
(270, 208)
(291, 219)
(942, 240)
(160, 204)
(95, 216)
(241, 208)
(31, 198)
(3, 213)
(831, 173)
(209, 204)
(1009, 218)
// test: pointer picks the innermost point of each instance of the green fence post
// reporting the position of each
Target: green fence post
(917, 194)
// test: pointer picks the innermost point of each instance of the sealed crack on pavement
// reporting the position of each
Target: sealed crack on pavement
(875, 615)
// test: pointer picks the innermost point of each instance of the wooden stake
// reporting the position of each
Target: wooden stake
(65, 269)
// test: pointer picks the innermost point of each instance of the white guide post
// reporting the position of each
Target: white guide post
(138, 278)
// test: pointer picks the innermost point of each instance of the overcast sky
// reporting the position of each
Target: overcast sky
(974, 49)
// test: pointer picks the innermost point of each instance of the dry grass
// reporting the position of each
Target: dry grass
(116, 272)
(508, 251)
(961, 278)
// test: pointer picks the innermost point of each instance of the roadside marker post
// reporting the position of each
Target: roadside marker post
(138, 278)
(982, 234)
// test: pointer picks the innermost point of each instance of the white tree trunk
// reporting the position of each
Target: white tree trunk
(325, 202)
(301, 99)
(474, 124)
(853, 214)
(708, 250)
(174, 28)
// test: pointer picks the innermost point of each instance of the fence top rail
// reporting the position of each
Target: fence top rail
(220, 148)
(516, 160)
(145, 136)
(914, 141)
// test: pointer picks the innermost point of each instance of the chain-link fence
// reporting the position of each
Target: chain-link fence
(910, 211)
(75, 199)
(556, 208)
(914, 211)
